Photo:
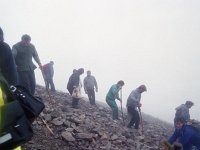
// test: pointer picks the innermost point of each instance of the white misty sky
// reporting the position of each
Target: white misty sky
(152, 42)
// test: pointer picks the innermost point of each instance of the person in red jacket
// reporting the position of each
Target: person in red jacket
(48, 72)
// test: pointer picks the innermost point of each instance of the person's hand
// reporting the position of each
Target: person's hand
(139, 105)
(40, 66)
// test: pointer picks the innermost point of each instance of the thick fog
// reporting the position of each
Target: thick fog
(151, 42)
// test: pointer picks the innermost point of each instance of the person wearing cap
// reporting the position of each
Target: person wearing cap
(182, 111)
(113, 94)
(74, 83)
(186, 135)
(23, 53)
(133, 103)
(48, 72)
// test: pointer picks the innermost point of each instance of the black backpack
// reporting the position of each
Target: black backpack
(15, 128)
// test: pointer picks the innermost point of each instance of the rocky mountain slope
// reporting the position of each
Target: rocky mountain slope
(90, 128)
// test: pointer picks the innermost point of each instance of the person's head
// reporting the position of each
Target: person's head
(189, 104)
(142, 88)
(88, 73)
(51, 62)
(80, 71)
(1, 35)
(120, 84)
(25, 39)
(179, 122)
(75, 71)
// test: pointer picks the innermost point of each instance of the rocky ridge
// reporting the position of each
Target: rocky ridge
(90, 128)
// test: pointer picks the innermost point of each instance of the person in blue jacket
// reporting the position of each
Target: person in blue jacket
(186, 135)
(112, 95)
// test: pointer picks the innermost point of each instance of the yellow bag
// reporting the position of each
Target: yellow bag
(1, 104)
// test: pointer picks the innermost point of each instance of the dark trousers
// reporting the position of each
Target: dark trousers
(135, 117)
(49, 82)
(75, 102)
(27, 79)
(91, 96)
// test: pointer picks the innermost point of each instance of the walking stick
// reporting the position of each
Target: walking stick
(121, 107)
(47, 126)
(141, 119)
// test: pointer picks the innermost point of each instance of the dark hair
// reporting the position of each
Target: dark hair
(26, 37)
(189, 103)
(179, 119)
(80, 70)
(120, 83)
(1, 31)
(1, 34)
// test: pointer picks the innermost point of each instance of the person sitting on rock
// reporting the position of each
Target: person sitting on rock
(186, 135)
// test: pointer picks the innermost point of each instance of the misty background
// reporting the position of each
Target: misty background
(151, 42)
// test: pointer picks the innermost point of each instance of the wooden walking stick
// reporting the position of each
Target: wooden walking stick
(121, 107)
(141, 119)
(47, 126)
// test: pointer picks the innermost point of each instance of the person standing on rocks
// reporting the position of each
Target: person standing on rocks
(113, 94)
(73, 83)
(182, 111)
(48, 72)
(133, 104)
(89, 85)
(23, 53)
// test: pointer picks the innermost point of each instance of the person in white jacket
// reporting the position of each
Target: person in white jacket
(133, 102)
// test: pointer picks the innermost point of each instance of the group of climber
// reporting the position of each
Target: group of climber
(17, 67)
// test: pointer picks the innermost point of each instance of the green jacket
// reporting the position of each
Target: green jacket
(23, 56)
(113, 93)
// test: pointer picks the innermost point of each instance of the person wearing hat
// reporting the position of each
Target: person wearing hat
(186, 135)
(133, 103)
(23, 53)
(182, 111)
(48, 72)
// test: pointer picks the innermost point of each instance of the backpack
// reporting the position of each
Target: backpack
(15, 128)
(194, 123)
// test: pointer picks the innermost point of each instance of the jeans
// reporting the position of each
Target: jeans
(135, 117)
(49, 82)
(91, 96)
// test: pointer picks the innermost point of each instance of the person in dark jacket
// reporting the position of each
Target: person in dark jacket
(7, 64)
(186, 135)
(23, 53)
(7, 67)
(182, 111)
(48, 72)
(133, 104)
(90, 84)
(113, 94)
(74, 82)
